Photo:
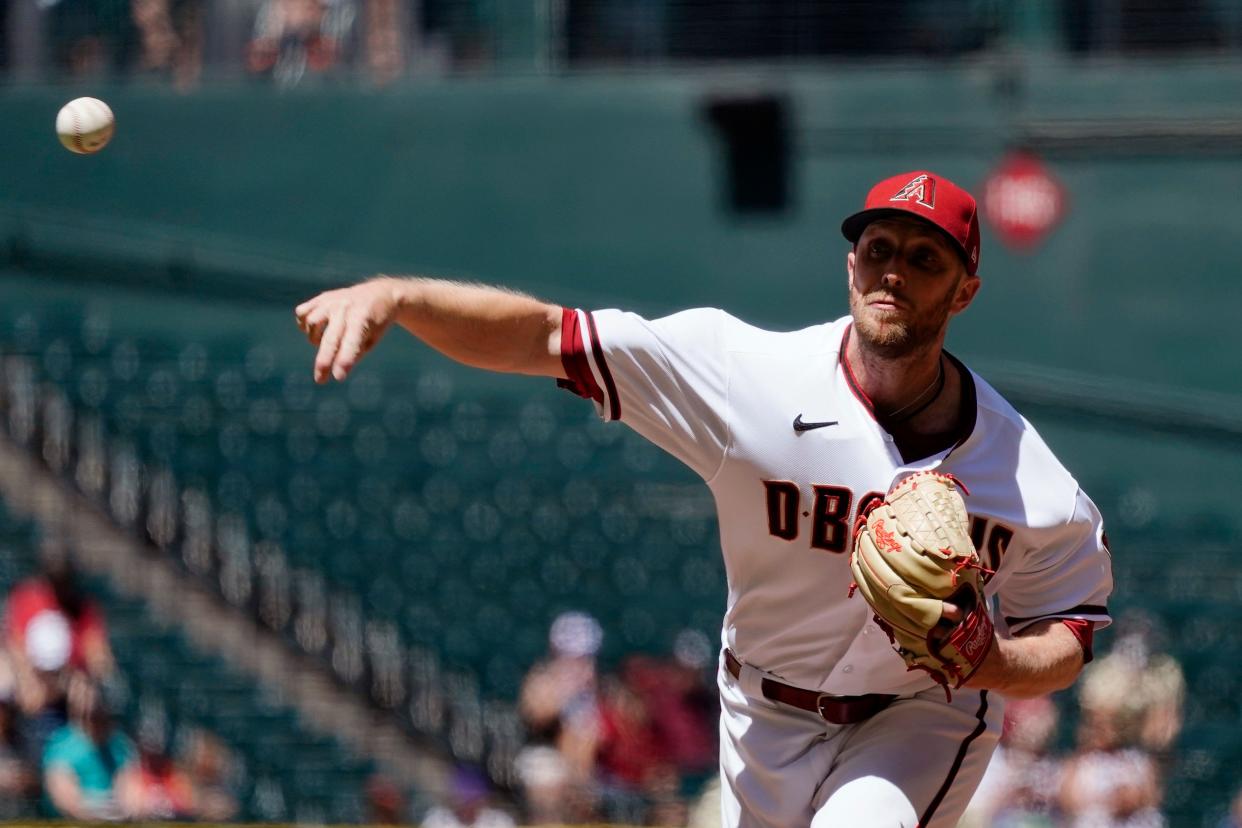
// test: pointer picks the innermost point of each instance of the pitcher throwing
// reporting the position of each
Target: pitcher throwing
(828, 718)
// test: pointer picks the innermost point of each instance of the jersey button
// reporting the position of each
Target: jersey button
(849, 668)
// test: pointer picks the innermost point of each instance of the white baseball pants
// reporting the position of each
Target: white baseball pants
(914, 764)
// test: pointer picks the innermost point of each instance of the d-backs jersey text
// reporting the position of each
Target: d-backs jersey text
(791, 451)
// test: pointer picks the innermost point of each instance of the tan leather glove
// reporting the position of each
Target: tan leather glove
(912, 553)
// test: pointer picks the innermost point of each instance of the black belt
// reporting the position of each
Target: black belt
(840, 710)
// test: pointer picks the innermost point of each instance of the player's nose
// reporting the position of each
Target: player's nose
(893, 277)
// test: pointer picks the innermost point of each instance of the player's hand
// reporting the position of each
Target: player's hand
(345, 324)
(950, 617)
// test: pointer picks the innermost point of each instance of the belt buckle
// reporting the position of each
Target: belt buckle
(819, 706)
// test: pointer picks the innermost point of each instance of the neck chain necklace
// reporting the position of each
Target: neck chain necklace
(925, 398)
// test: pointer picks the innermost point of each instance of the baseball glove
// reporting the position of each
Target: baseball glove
(912, 553)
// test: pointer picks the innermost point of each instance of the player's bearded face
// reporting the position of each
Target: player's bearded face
(901, 331)
(903, 290)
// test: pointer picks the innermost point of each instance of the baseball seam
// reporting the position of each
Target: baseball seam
(77, 129)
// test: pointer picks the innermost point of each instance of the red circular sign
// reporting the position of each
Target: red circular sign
(1022, 201)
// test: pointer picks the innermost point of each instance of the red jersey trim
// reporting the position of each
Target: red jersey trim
(850, 380)
(1082, 628)
(1084, 631)
(574, 359)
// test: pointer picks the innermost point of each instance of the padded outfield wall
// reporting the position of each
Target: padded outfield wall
(608, 191)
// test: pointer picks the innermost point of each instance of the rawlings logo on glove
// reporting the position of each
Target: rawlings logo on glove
(912, 555)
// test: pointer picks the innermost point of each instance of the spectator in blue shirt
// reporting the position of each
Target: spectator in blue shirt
(89, 768)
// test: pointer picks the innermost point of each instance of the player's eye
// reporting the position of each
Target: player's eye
(879, 250)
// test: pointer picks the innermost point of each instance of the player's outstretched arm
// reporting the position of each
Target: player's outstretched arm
(1041, 659)
(485, 327)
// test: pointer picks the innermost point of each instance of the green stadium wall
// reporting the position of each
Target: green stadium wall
(600, 190)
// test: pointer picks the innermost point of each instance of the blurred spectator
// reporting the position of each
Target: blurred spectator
(385, 802)
(630, 754)
(680, 697)
(171, 36)
(90, 769)
(560, 706)
(1108, 785)
(665, 804)
(1137, 685)
(88, 37)
(1233, 819)
(57, 588)
(41, 671)
(163, 791)
(550, 793)
(208, 767)
(19, 783)
(294, 36)
(1022, 782)
(469, 805)
(657, 725)
(385, 48)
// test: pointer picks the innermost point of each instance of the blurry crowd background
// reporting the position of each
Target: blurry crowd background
(382, 40)
(62, 753)
(535, 591)
(634, 745)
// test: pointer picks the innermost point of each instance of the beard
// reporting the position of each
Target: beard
(900, 333)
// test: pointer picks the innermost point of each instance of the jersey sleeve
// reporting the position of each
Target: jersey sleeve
(1067, 573)
(665, 378)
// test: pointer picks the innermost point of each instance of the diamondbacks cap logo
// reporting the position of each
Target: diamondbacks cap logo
(921, 189)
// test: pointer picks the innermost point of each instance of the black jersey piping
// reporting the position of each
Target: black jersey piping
(1081, 609)
(957, 761)
(614, 402)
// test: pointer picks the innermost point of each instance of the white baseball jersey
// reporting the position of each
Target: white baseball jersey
(790, 448)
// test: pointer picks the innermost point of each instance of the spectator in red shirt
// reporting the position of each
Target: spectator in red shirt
(42, 674)
(57, 589)
(163, 791)
(680, 701)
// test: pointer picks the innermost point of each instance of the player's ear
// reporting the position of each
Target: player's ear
(966, 290)
(849, 265)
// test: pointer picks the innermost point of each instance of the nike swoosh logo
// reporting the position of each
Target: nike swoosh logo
(800, 426)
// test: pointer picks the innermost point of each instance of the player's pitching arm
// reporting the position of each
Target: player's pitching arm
(485, 327)
(1043, 658)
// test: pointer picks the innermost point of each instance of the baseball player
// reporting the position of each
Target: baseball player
(797, 435)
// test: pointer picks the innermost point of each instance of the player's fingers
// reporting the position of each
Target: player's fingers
(952, 614)
(328, 345)
(353, 346)
(299, 312)
(313, 324)
(315, 316)
(309, 309)
(316, 301)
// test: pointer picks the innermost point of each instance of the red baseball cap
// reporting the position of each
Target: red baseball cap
(925, 195)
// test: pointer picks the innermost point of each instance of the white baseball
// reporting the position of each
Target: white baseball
(85, 125)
